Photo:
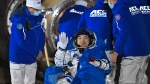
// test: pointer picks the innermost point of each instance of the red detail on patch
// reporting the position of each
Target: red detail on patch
(91, 59)
(117, 17)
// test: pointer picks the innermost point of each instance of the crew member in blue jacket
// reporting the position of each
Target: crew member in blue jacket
(69, 21)
(144, 7)
(99, 20)
(131, 40)
(27, 41)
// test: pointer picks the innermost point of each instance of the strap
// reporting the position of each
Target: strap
(28, 24)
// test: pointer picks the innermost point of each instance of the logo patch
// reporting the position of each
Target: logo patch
(98, 13)
(145, 9)
(118, 17)
(38, 2)
(19, 26)
(134, 10)
(139, 10)
(75, 11)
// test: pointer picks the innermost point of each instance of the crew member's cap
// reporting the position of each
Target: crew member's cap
(37, 4)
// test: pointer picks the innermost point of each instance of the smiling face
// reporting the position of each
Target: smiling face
(83, 40)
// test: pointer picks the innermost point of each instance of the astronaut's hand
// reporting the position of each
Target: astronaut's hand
(62, 81)
(66, 79)
(63, 41)
(100, 63)
(39, 55)
(96, 63)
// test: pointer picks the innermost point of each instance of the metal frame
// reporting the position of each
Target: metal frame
(13, 5)
(52, 26)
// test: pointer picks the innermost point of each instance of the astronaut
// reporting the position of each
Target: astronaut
(87, 59)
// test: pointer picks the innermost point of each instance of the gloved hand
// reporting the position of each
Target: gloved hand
(62, 81)
(103, 63)
(96, 63)
(65, 79)
(63, 41)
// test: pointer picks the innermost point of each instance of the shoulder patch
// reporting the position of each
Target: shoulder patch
(19, 26)
(117, 17)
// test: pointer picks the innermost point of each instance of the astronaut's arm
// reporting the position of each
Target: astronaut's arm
(62, 57)
(100, 63)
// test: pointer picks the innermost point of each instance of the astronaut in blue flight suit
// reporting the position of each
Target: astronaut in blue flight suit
(69, 20)
(87, 62)
(27, 41)
(131, 40)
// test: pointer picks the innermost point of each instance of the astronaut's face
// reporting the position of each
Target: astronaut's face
(83, 40)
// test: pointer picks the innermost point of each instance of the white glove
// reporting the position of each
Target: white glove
(95, 63)
(103, 64)
(62, 81)
(66, 79)
(63, 41)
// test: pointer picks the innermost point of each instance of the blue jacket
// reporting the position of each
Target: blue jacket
(25, 45)
(89, 74)
(69, 21)
(129, 29)
(144, 7)
(98, 19)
